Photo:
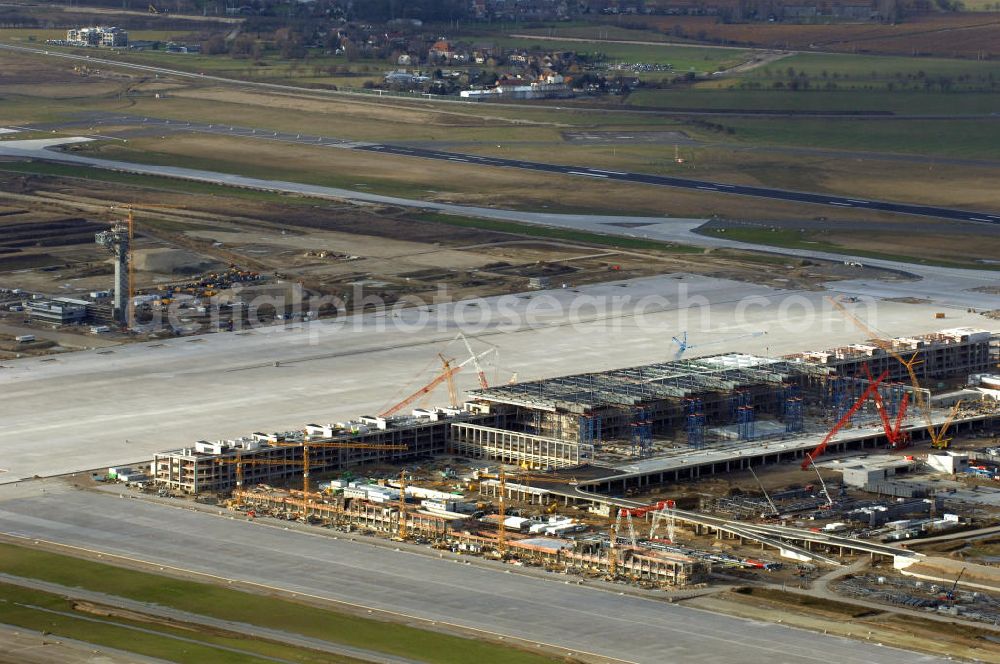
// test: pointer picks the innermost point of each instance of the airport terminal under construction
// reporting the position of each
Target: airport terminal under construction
(598, 442)
(622, 418)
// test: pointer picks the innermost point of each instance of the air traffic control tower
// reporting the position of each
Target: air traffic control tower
(117, 242)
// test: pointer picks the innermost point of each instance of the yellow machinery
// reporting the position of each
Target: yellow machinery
(242, 459)
(402, 534)
(501, 477)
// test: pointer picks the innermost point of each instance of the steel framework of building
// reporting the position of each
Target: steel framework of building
(582, 393)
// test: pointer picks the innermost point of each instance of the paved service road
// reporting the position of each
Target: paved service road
(576, 618)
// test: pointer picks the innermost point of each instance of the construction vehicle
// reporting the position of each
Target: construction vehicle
(939, 440)
(898, 439)
(842, 422)
(949, 596)
(448, 372)
(894, 433)
(943, 429)
(483, 383)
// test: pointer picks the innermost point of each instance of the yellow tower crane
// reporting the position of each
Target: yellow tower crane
(343, 445)
(402, 533)
(304, 462)
(240, 459)
(501, 477)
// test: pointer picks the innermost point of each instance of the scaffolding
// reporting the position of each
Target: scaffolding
(637, 406)
(642, 432)
(695, 409)
(793, 415)
(746, 421)
(636, 386)
(590, 429)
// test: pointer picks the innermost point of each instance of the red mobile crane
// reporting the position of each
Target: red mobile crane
(872, 388)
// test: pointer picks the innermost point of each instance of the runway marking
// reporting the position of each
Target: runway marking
(854, 200)
(840, 204)
(978, 219)
(457, 159)
(598, 170)
(707, 188)
(591, 175)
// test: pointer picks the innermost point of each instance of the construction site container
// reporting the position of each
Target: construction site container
(438, 505)
(515, 523)
(562, 528)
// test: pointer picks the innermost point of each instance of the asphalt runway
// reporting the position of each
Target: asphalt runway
(575, 171)
(685, 183)
(567, 616)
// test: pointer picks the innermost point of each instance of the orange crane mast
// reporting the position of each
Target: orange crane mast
(450, 378)
(130, 222)
(446, 374)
